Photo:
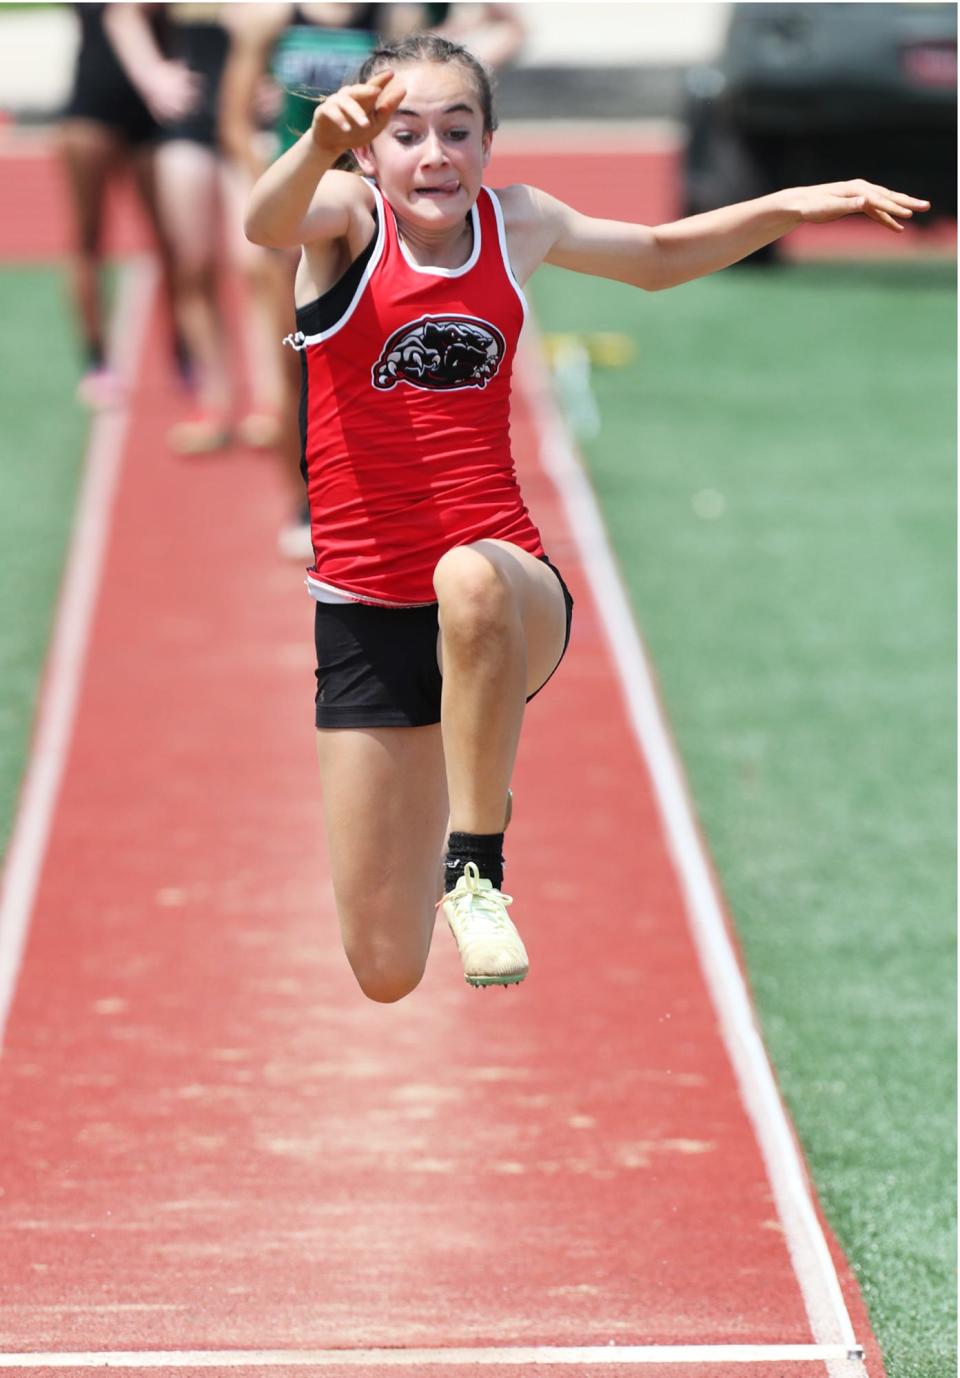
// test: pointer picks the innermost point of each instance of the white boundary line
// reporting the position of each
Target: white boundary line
(409, 1358)
(657, 136)
(829, 1320)
(645, 135)
(74, 617)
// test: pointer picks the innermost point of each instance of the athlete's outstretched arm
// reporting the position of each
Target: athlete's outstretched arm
(286, 208)
(654, 257)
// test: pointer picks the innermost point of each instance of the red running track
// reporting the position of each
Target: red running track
(213, 1142)
(635, 176)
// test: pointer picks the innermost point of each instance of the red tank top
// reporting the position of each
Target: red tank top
(405, 415)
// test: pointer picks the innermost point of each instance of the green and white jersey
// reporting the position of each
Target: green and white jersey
(308, 62)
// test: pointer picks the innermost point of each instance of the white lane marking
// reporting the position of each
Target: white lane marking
(526, 136)
(410, 1358)
(809, 1253)
(74, 616)
(530, 137)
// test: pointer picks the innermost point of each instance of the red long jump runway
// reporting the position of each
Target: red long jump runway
(218, 1156)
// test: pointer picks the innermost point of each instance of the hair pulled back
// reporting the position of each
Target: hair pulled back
(427, 47)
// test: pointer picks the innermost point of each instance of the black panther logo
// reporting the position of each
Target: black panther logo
(440, 353)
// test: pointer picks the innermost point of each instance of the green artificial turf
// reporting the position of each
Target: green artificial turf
(776, 470)
(41, 447)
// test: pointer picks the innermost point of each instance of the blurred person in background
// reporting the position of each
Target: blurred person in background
(200, 195)
(294, 51)
(110, 126)
(307, 51)
(494, 33)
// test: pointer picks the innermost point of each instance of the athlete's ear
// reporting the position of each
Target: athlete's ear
(366, 160)
(487, 146)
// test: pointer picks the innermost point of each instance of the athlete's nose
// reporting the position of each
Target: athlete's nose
(432, 151)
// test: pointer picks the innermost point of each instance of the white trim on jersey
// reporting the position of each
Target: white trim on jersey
(329, 593)
(444, 272)
(502, 237)
(299, 340)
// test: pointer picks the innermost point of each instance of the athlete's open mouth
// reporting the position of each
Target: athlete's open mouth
(447, 189)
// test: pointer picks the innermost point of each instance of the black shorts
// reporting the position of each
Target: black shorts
(112, 102)
(203, 47)
(377, 667)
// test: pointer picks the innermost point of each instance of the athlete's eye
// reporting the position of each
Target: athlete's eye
(458, 135)
(404, 136)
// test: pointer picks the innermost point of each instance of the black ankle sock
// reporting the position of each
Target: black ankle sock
(485, 849)
(96, 355)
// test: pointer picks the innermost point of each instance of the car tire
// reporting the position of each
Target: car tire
(721, 168)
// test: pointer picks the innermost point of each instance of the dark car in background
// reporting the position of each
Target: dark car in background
(824, 92)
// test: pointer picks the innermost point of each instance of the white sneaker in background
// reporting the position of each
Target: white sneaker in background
(101, 389)
(295, 539)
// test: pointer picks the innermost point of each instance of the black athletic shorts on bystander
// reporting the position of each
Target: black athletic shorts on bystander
(102, 91)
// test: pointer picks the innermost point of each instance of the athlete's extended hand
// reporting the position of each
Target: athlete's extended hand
(354, 115)
(833, 200)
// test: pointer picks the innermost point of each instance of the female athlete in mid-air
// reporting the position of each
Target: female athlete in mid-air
(438, 614)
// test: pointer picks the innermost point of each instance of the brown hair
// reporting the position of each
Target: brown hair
(427, 47)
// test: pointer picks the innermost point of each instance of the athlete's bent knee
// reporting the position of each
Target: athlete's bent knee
(386, 970)
(386, 984)
(474, 597)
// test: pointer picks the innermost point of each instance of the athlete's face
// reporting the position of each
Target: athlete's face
(429, 160)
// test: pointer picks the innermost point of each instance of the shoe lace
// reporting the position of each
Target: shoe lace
(480, 894)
